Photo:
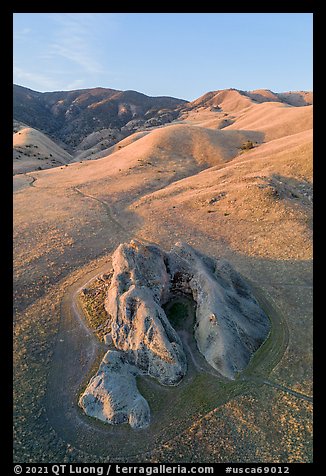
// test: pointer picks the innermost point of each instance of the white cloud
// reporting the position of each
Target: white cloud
(73, 41)
(70, 47)
(41, 81)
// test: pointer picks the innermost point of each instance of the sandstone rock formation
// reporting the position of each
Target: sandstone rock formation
(230, 325)
(140, 284)
(112, 395)
(229, 328)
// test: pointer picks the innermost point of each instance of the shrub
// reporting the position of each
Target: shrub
(247, 145)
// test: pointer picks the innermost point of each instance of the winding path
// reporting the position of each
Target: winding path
(82, 353)
(111, 218)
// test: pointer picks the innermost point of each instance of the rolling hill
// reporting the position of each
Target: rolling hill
(231, 176)
(33, 150)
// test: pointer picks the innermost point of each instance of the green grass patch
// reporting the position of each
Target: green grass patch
(92, 299)
(177, 313)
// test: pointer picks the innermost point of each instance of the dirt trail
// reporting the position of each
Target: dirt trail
(111, 218)
(19, 181)
(82, 353)
(287, 390)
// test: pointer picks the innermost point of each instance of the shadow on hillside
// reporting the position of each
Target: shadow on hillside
(290, 188)
(256, 137)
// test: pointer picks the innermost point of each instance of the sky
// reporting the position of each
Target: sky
(183, 55)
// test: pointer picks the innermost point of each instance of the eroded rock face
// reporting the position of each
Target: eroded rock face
(140, 284)
(229, 328)
(112, 395)
(230, 325)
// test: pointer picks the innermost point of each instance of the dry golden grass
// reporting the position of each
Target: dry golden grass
(184, 182)
(274, 120)
(32, 150)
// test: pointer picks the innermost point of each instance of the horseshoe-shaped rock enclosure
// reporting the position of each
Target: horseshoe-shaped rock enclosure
(230, 325)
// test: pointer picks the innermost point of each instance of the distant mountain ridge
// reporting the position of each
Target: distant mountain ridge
(77, 118)
(247, 98)
(72, 115)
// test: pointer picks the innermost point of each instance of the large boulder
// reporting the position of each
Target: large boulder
(230, 325)
(139, 326)
(112, 395)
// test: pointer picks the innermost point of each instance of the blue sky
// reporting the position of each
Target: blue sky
(173, 54)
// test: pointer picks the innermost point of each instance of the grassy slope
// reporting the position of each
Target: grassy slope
(257, 224)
